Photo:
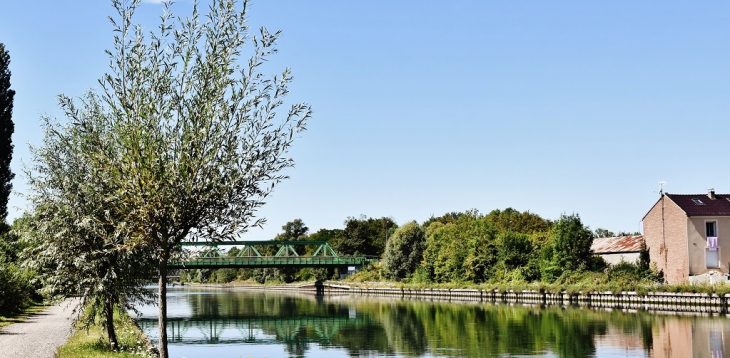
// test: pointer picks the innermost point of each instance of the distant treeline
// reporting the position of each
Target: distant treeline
(503, 246)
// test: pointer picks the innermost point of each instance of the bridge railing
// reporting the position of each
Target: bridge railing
(271, 261)
(249, 255)
(249, 248)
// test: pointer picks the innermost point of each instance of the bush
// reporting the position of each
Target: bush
(16, 288)
(225, 275)
(404, 251)
(569, 249)
(515, 250)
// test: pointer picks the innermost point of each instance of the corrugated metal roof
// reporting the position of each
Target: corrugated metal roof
(606, 245)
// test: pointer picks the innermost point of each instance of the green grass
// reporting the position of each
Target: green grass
(23, 314)
(94, 343)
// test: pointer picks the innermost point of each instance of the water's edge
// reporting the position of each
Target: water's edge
(665, 302)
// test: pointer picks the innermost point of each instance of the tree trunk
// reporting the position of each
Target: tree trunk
(109, 316)
(162, 305)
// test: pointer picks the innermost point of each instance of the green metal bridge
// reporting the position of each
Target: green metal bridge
(249, 256)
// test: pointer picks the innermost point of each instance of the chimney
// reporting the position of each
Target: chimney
(711, 194)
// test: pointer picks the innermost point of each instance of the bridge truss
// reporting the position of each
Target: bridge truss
(249, 256)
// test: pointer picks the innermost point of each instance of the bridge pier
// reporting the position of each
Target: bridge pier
(319, 286)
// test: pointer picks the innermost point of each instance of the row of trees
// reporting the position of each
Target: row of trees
(501, 246)
(504, 246)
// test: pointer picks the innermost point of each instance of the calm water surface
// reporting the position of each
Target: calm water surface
(226, 323)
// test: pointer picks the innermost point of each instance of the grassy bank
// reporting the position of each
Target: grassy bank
(23, 314)
(580, 282)
(94, 343)
(585, 281)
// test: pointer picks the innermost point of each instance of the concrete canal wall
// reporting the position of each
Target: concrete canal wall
(653, 301)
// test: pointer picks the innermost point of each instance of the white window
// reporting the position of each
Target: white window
(712, 258)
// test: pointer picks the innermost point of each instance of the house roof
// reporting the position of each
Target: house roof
(702, 205)
(610, 245)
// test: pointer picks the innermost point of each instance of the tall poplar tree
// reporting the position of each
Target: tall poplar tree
(6, 132)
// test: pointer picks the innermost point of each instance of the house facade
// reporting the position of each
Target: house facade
(689, 234)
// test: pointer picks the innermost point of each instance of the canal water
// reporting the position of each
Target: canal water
(206, 322)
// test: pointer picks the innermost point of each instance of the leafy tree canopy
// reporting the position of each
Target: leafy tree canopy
(364, 236)
(404, 251)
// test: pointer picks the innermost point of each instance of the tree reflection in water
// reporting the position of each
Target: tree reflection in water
(363, 326)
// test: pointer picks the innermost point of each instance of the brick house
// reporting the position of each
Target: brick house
(689, 234)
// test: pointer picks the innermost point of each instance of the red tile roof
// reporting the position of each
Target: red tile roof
(720, 206)
(607, 245)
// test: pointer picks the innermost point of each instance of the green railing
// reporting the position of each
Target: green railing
(249, 256)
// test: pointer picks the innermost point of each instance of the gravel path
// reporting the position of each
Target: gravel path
(40, 335)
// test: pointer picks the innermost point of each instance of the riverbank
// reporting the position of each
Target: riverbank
(86, 343)
(665, 298)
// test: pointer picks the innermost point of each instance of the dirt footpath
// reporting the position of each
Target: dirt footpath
(40, 335)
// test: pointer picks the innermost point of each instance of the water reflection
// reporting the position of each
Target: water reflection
(690, 337)
(253, 324)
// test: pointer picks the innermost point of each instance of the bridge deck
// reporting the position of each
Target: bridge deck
(270, 261)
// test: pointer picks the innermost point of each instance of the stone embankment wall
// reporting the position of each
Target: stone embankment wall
(658, 301)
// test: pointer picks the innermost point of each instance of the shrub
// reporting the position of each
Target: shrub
(404, 251)
(16, 288)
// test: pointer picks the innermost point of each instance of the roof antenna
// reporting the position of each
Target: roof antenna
(661, 187)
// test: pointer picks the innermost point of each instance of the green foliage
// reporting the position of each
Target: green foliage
(404, 251)
(244, 274)
(294, 230)
(314, 274)
(226, 275)
(263, 275)
(443, 219)
(461, 250)
(597, 264)
(7, 127)
(438, 258)
(17, 290)
(519, 257)
(88, 342)
(371, 273)
(19, 286)
(511, 220)
(364, 236)
(79, 245)
(189, 141)
(644, 258)
(603, 233)
(481, 256)
(515, 249)
(569, 249)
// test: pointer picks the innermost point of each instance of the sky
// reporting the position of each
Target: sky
(423, 108)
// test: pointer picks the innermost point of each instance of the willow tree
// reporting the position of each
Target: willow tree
(195, 141)
(78, 244)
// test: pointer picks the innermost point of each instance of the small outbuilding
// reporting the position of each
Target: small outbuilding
(617, 249)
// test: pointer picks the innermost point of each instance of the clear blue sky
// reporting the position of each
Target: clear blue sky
(428, 107)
